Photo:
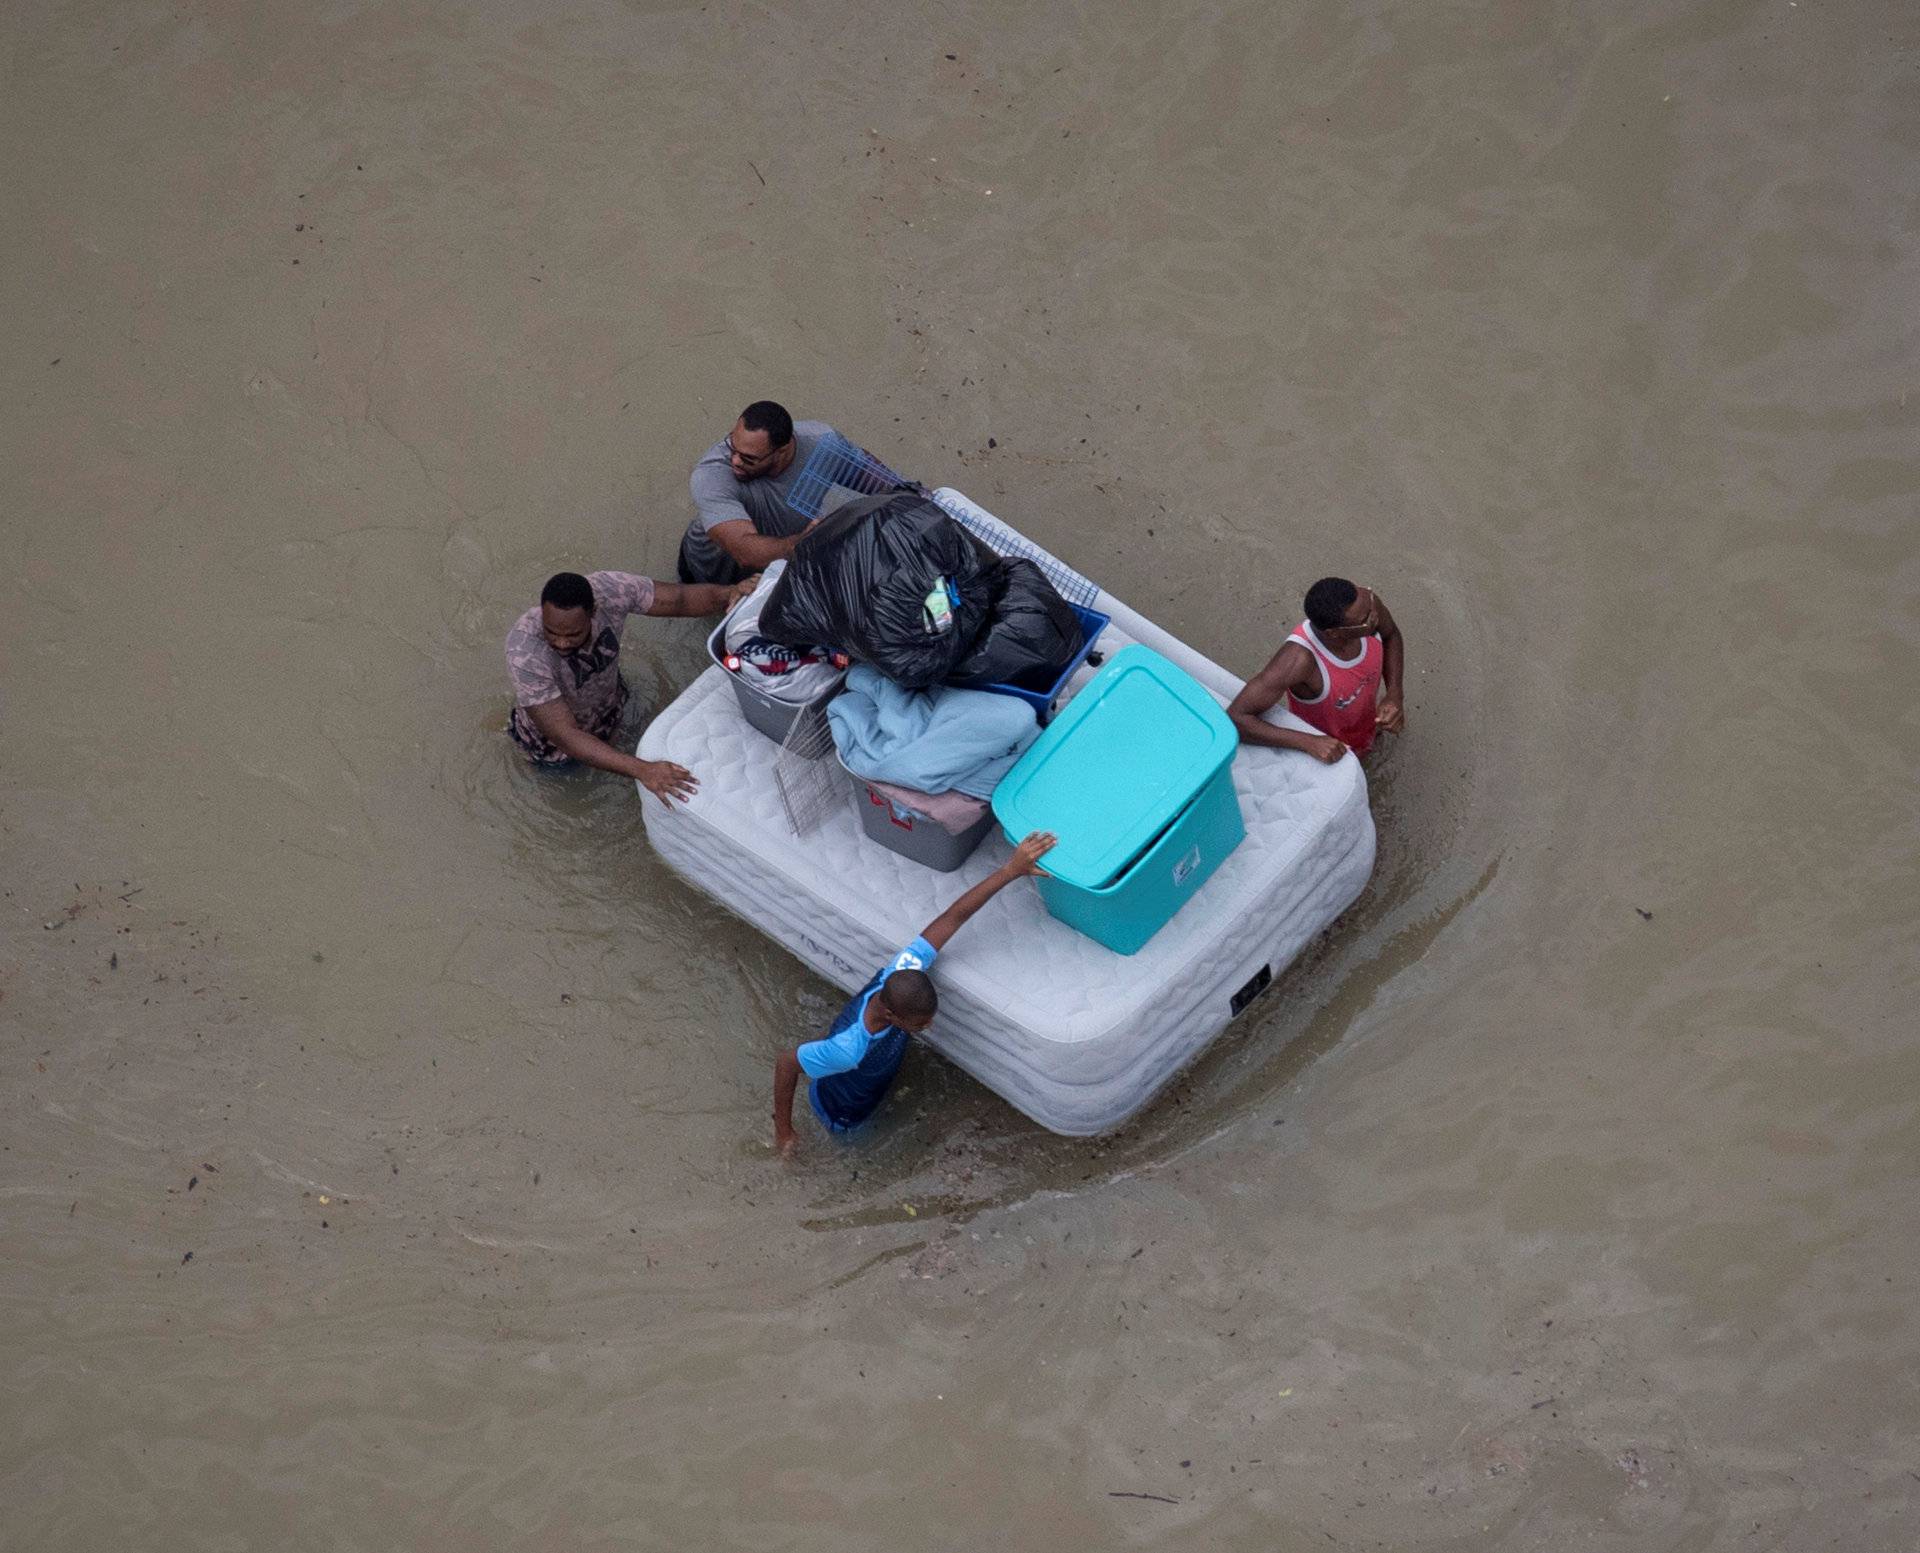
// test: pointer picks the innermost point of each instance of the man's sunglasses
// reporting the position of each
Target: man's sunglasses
(749, 459)
(1372, 620)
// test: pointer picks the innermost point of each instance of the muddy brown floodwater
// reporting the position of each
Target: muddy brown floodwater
(383, 1149)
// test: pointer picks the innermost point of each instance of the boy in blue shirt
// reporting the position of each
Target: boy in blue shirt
(850, 1072)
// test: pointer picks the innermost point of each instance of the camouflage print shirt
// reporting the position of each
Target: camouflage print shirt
(588, 680)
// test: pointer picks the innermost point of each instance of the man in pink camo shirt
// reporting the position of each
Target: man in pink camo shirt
(564, 660)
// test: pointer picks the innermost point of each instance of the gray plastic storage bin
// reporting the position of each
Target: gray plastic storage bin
(925, 841)
(772, 716)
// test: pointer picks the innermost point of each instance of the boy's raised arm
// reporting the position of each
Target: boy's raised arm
(1024, 862)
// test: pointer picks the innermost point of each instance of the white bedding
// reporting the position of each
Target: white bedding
(1074, 1035)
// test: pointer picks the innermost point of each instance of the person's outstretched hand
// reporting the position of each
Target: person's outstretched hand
(1326, 750)
(1391, 716)
(1026, 857)
(666, 781)
(745, 586)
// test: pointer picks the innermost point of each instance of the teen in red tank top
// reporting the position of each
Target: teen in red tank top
(1349, 690)
(1339, 672)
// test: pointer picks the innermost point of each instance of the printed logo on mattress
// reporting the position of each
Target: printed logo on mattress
(832, 957)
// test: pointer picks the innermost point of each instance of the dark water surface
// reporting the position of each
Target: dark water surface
(1563, 1197)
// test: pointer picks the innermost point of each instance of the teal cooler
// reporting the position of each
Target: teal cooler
(1135, 776)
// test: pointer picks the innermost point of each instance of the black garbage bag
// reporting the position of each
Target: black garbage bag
(890, 580)
(1031, 634)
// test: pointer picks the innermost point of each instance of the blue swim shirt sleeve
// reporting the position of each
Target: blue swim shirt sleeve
(840, 1052)
(917, 956)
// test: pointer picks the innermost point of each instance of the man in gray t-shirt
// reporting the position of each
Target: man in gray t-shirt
(743, 519)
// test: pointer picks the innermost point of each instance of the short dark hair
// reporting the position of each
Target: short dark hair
(1328, 601)
(568, 590)
(765, 415)
(910, 995)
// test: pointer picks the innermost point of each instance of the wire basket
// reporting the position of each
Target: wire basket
(1001, 540)
(810, 786)
(836, 464)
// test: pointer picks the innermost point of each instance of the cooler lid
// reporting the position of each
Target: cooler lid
(1116, 765)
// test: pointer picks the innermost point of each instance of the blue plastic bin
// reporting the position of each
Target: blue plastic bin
(1135, 776)
(1092, 623)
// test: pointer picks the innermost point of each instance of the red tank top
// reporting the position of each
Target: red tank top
(1349, 690)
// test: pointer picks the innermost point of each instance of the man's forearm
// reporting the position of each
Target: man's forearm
(596, 752)
(1257, 730)
(756, 552)
(691, 599)
(1394, 668)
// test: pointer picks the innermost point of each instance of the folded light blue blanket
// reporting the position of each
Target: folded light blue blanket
(934, 741)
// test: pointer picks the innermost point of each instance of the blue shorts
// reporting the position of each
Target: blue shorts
(826, 1121)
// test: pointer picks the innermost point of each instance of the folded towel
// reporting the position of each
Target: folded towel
(955, 813)
(931, 740)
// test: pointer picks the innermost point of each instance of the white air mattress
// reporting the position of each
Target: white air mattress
(1074, 1035)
